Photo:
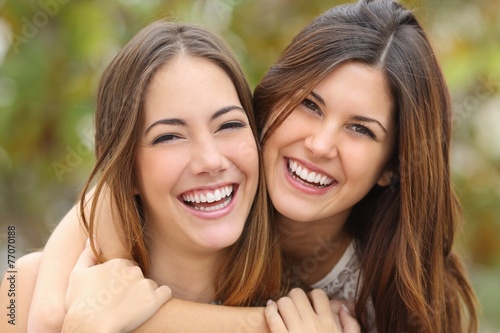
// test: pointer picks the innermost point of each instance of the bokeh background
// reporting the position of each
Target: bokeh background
(52, 53)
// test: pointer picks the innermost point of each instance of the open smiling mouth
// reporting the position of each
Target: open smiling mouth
(307, 177)
(210, 200)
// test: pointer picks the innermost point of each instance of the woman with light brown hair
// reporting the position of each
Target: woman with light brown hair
(355, 121)
(184, 175)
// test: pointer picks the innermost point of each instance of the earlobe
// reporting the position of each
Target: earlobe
(386, 178)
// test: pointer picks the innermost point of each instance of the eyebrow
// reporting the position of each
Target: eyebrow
(356, 117)
(369, 120)
(318, 97)
(180, 122)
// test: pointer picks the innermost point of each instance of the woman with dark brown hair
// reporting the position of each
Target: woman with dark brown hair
(402, 221)
(355, 121)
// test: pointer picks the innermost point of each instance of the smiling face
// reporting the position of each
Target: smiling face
(197, 162)
(333, 148)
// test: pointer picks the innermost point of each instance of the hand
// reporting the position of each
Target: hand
(314, 314)
(110, 297)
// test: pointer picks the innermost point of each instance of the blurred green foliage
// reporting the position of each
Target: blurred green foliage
(53, 51)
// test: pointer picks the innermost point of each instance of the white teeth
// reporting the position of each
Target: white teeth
(209, 196)
(311, 177)
(217, 195)
(316, 180)
(304, 174)
(213, 208)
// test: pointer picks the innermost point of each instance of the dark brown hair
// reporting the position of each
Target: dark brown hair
(404, 232)
(252, 271)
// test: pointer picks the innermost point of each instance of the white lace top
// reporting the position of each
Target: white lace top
(342, 280)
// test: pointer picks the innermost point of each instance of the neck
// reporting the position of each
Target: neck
(190, 276)
(314, 247)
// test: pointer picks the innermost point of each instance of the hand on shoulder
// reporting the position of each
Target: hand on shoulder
(311, 313)
(110, 297)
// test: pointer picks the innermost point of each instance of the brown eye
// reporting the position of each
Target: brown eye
(311, 106)
(165, 138)
(231, 125)
(363, 130)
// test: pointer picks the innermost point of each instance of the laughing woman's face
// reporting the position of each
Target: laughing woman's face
(334, 147)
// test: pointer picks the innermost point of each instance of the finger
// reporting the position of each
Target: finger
(302, 303)
(348, 322)
(320, 302)
(86, 259)
(336, 306)
(289, 313)
(273, 319)
(163, 294)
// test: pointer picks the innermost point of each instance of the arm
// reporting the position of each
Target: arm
(179, 316)
(59, 257)
(16, 292)
(48, 310)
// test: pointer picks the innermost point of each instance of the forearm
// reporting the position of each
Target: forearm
(59, 256)
(183, 316)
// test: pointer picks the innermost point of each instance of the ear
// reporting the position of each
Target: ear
(385, 178)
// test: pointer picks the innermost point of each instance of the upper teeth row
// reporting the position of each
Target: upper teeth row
(311, 177)
(210, 196)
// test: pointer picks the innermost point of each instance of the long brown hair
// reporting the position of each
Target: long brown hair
(252, 271)
(404, 232)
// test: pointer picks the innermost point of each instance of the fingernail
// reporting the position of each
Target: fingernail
(346, 309)
(271, 307)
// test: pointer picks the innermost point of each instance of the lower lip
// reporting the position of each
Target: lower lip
(303, 187)
(215, 214)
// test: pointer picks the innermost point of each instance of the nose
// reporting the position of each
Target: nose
(322, 143)
(208, 158)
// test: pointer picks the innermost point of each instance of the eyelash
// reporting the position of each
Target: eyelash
(165, 137)
(311, 106)
(362, 130)
(231, 125)
(172, 137)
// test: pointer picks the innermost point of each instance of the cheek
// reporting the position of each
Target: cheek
(158, 170)
(364, 162)
(246, 153)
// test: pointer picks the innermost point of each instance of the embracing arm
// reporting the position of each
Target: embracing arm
(183, 316)
(59, 257)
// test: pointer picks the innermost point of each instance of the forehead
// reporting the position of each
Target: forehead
(188, 86)
(358, 87)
